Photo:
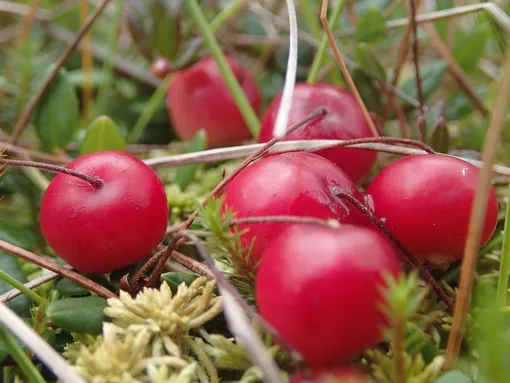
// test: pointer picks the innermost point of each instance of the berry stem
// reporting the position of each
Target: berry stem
(94, 181)
(389, 140)
(425, 273)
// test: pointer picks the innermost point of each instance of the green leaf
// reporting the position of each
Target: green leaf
(368, 92)
(80, 315)
(184, 174)
(56, 117)
(166, 30)
(371, 26)
(440, 138)
(174, 279)
(20, 237)
(470, 48)
(102, 134)
(431, 77)
(10, 265)
(454, 376)
(68, 288)
(368, 63)
(418, 342)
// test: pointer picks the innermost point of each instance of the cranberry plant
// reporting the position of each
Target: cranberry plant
(248, 191)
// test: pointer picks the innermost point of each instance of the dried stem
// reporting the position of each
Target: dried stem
(221, 186)
(284, 219)
(86, 60)
(416, 58)
(22, 152)
(470, 258)
(392, 140)
(11, 294)
(29, 109)
(425, 273)
(56, 268)
(94, 181)
(343, 67)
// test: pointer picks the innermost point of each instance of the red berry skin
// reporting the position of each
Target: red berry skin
(198, 98)
(327, 374)
(101, 230)
(297, 184)
(425, 201)
(344, 121)
(320, 289)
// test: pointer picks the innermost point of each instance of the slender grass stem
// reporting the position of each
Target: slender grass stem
(20, 356)
(504, 267)
(323, 48)
(21, 287)
(237, 92)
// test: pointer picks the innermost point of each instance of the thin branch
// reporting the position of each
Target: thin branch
(343, 67)
(476, 223)
(22, 152)
(416, 60)
(56, 268)
(30, 108)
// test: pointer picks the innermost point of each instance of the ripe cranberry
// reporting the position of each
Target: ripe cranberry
(198, 98)
(337, 374)
(344, 121)
(98, 230)
(320, 288)
(426, 203)
(161, 68)
(298, 184)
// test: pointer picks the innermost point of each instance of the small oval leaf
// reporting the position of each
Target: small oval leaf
(68, 288)
(56, 116)
(184, 174)
(102, 134)
(471, 47)
(371, 26)
(368, 63)
(175, 278)
(81, 315)
(368, 92)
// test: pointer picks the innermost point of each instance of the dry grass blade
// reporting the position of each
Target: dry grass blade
(476, 223)
(237, 319)
(343, 67)
(282, 118)
(416, 61)
(38, 345)
(86, 59)
(236, 152)
(29, 109)
(11, 294)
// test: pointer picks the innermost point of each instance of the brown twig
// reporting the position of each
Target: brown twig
(391, 140)
(284, 219)
(425, 273)
(343, 67)
(219, 188)
(86, 59)
(94, 181)
(455, 69)
(472, 246)
(30, 108)
(416, 60)
(22, 152)
(56, 268)
(29, 20)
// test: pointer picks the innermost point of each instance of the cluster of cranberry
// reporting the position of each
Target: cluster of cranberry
(318, 285)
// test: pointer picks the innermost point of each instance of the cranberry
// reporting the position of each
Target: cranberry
(344, 120)
(327, 374)
(161, 68)
(98, 230)
(425, 201)
(298, 184)
(198, 98)
(320, 288)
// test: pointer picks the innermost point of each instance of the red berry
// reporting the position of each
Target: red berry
(101, 230)
(344, 120)
(198, 98)
(320, 288)
(337, 374)
(298, 184)
(161, 67)
(425, 201)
